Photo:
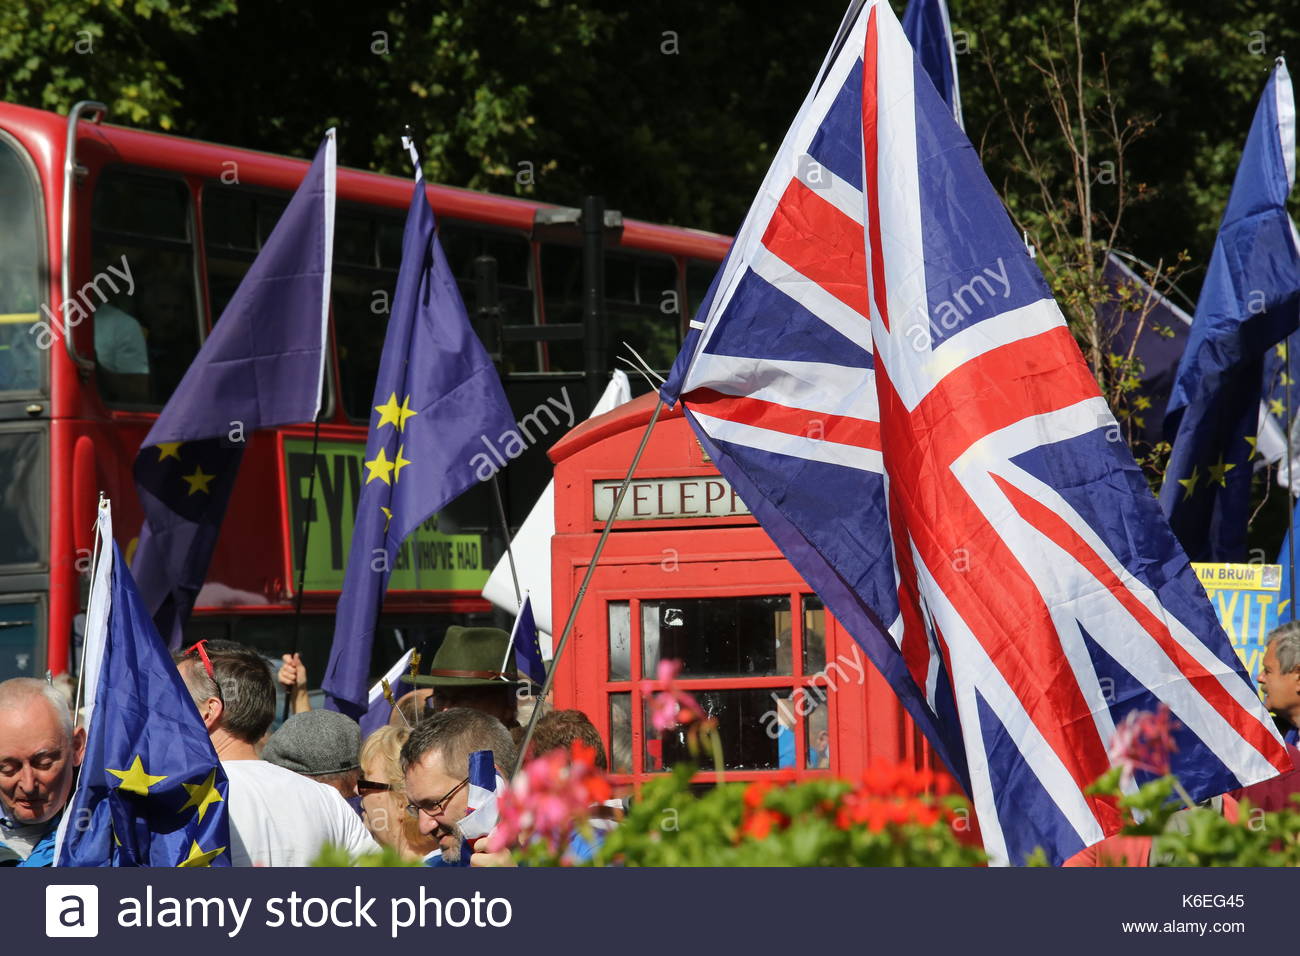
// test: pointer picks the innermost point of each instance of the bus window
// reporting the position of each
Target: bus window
(643, 308)
(146, 325)
(20, 629)
(24, 502)
(699, 275)
(235, 224)
(22, 360)
(463, 243)
(367, 252)
(562, 300)
(642, 305)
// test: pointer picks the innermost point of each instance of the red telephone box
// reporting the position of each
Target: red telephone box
(688, 574)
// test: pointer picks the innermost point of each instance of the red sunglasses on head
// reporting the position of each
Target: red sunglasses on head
(197, 648)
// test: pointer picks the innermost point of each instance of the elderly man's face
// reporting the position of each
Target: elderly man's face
(37, 760)
(428, 784)
(1281, 691)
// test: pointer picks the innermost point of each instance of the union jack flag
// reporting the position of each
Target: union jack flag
(882, 373)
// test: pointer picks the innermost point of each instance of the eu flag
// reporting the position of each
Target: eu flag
(528, 650)
(929, 30)
(438, 401)
(1247, 305)
(151, 790)
(262, 365)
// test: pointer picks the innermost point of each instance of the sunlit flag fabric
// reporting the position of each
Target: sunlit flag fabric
(151, 791)
(1278, 413)
(884, 377)
(262, 365)
(438, 399)
(929, 30)
(1248, 304)
(485, 785)
(528, 649)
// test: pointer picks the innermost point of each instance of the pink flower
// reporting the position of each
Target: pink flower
(669, 705)
(1144, 741)
(550, 799)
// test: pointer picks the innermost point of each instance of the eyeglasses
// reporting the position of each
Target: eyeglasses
(372, 786)
(435, 808)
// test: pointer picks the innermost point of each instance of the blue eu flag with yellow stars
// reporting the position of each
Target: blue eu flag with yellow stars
(528, 649)
(438, 398)
(262, 365)
(151, 791)
(1248, 304)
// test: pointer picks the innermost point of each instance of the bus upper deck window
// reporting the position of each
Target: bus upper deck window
(23, 348)
(464, 243)
(141, 286)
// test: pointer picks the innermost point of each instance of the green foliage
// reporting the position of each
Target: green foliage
(1201, 836)
(672, 824)
(55, 52)
(337, 856)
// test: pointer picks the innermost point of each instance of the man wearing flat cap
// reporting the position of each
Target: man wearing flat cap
(474, 668)
(320, 744)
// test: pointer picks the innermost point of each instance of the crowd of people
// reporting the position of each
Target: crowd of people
(312, 783)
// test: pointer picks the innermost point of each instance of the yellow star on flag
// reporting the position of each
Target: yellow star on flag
(202, 795)
(134, 778)
(380, 467)
(390, 413)
(1219, 472)
(1281, 350)
(198, 481)
(1275, 406)
(1189, 483)
(399, 464)
(388, 517)
(169, 449)
(1286, 379)
(1253, 442)
(198, 857)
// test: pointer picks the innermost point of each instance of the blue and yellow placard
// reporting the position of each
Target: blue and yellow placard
(1247, 598)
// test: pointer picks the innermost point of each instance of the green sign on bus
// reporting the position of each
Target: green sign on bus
(428, 560)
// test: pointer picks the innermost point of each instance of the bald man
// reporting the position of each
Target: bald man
(39, 755)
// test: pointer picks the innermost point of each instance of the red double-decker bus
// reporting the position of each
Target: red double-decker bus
(185, 219)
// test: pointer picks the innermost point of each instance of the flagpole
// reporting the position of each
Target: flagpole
(302, 560)
(582, 590)
(505, 530)
(1290, 487)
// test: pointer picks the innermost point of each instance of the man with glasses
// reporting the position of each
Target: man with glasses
(277, 817)
(435, 761)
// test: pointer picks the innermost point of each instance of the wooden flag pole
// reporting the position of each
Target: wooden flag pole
(582, 590)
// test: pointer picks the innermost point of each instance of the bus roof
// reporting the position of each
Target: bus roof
(213, 161)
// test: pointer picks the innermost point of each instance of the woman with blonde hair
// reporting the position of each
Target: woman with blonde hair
(383, 795)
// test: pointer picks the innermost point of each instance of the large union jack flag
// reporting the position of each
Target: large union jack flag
(882, 373)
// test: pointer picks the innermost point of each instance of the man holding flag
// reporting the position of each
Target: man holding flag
(1247, 307)
(882, 374)
(437, 399)
(262, 365)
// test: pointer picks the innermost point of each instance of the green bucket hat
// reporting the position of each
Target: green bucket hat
(470, 657)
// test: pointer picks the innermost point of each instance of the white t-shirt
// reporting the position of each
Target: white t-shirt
(280, 818)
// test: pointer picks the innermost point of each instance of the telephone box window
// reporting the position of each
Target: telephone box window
(814, 634)
(620, 642)
(744, 718)
(718, 636)
(620, 733)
